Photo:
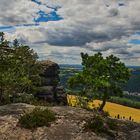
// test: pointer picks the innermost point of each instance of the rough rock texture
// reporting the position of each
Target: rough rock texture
(50, 88)
(50, 72)
(68, 126)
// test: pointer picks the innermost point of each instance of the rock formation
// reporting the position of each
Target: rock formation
(50, 75)
(50, 89)
(68, 126)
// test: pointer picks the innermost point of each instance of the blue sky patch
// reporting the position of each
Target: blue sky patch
(43, 17)
(37, 2)
(138, 33)
(135, 41)
(6, 28)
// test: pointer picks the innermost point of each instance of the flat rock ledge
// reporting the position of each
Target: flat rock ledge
(68, 126)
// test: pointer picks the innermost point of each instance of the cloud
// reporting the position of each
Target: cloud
(13, 12)
(66, 55)
(93, 25)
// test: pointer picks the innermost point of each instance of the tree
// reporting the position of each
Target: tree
(101, 77)
(4, 60)
(19, 68)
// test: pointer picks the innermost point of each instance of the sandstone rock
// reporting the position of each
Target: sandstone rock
(49, 81)
(51, 69)
(68, 125)
(50, 89)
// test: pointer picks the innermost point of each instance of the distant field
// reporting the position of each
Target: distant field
(113, 108)
(126, 100)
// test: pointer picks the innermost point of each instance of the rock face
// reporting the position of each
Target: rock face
(50, 89)
(50, 75)
(68, 125)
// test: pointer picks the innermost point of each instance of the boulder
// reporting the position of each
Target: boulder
(50, 69)
(50, 88)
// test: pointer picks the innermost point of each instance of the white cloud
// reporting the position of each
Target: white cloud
(92, 25)
(14, 12)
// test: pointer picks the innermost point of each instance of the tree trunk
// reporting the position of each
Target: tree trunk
(103, 104)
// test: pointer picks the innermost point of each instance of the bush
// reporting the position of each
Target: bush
(83, 102)
(22, 98)
(37, 118)
(112, 124)
(95, 124)
(17, 98)
(5, 99)
(101, 124)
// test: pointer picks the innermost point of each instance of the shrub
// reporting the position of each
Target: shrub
(37, 118)
(5, 99)
(112, 124)
(101, 124)
(95, 124)
(83, 102)
(22, 98)
(17, 98)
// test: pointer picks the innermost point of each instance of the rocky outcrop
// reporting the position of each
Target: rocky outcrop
(50, 88)
(68, 126)
(50, 75)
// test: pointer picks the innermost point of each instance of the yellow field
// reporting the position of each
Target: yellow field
(112, 108)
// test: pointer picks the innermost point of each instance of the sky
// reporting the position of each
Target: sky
(60, 30)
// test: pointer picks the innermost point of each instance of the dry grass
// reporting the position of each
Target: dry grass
(113, 108)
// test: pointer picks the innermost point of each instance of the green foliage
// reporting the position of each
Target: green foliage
(83, 102)
(100, 124)
(112, 124)
(19, 69)
(101, 77)
(22, 98)
(95, 124)
(37, 118)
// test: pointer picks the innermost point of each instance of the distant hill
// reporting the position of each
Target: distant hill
(73, 66)
(133, 85)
